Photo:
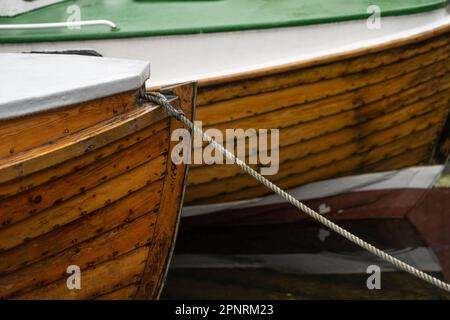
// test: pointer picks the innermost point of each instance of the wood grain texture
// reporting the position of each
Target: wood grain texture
(30, 181)
(172, 196)
(362, 113)
(97, 198)
(261, 102)
(89, 253)
(115, 273)
(123, 211)
(20, 134)
(31, 202)
(79, 143)
(295, 76)
(125, 293)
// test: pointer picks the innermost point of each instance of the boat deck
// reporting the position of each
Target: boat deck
(155, 18)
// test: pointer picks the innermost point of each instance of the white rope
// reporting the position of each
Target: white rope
(161, 100)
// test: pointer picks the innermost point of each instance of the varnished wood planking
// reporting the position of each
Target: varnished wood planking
(298, 75)
(107, 218)
(94, 207)
(163, 242)
(31, 202)
(237, 186)
(325, 105)
(335, 169)
(79, 143)
(312, 137)
(82, 204)
(33, 180)
(413, 156)
(125, 293)
(299, 116)
(113, 274)
(312, 116)
(369, 102)
(442, 150)
(20, 134)
(87, 254)
(252, 105)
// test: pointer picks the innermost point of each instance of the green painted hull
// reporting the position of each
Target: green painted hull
(155, 18)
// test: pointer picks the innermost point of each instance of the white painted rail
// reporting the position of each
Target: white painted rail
(53, 25)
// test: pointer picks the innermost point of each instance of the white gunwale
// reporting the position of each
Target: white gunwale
(215, 57)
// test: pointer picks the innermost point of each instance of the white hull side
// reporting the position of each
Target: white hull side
(409, 178)
(182, 58)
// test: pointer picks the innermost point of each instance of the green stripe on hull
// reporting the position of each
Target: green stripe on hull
(168, 17)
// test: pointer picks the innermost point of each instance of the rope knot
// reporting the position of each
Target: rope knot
(160, 99)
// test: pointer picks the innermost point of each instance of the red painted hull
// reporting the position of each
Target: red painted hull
(427, 211)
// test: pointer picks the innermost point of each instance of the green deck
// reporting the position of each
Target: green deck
(137, 18)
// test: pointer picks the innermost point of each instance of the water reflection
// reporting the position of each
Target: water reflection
(303, 260)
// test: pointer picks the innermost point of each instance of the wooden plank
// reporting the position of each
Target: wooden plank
(28, 132)
(220, 190)
(269, 81)
(368, 102)
(79, 143)
(335, 169)
(399, 75)
(311, 138)
(67, 167)
(82, 204)
(103, 248)
(239, 186)
(125, 293)
(107, 218)
(411, 157)
(292, 117)
(442, 151)
(95, 281)
(317, 111)
(163, 242)
(31, 202)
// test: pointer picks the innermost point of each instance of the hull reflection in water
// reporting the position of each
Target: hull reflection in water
(300, 259)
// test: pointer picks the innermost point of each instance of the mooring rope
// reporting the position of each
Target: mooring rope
(161, 100)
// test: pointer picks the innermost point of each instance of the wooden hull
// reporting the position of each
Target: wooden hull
(377, 109)
(374, 204)
(91, 185)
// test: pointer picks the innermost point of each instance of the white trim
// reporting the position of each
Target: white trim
(409, 178)
(201, 56)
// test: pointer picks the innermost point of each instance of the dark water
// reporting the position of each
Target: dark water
(270, 284)
(298, 261)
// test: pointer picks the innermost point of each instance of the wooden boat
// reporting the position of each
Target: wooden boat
(359, 109)
(85, 178)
